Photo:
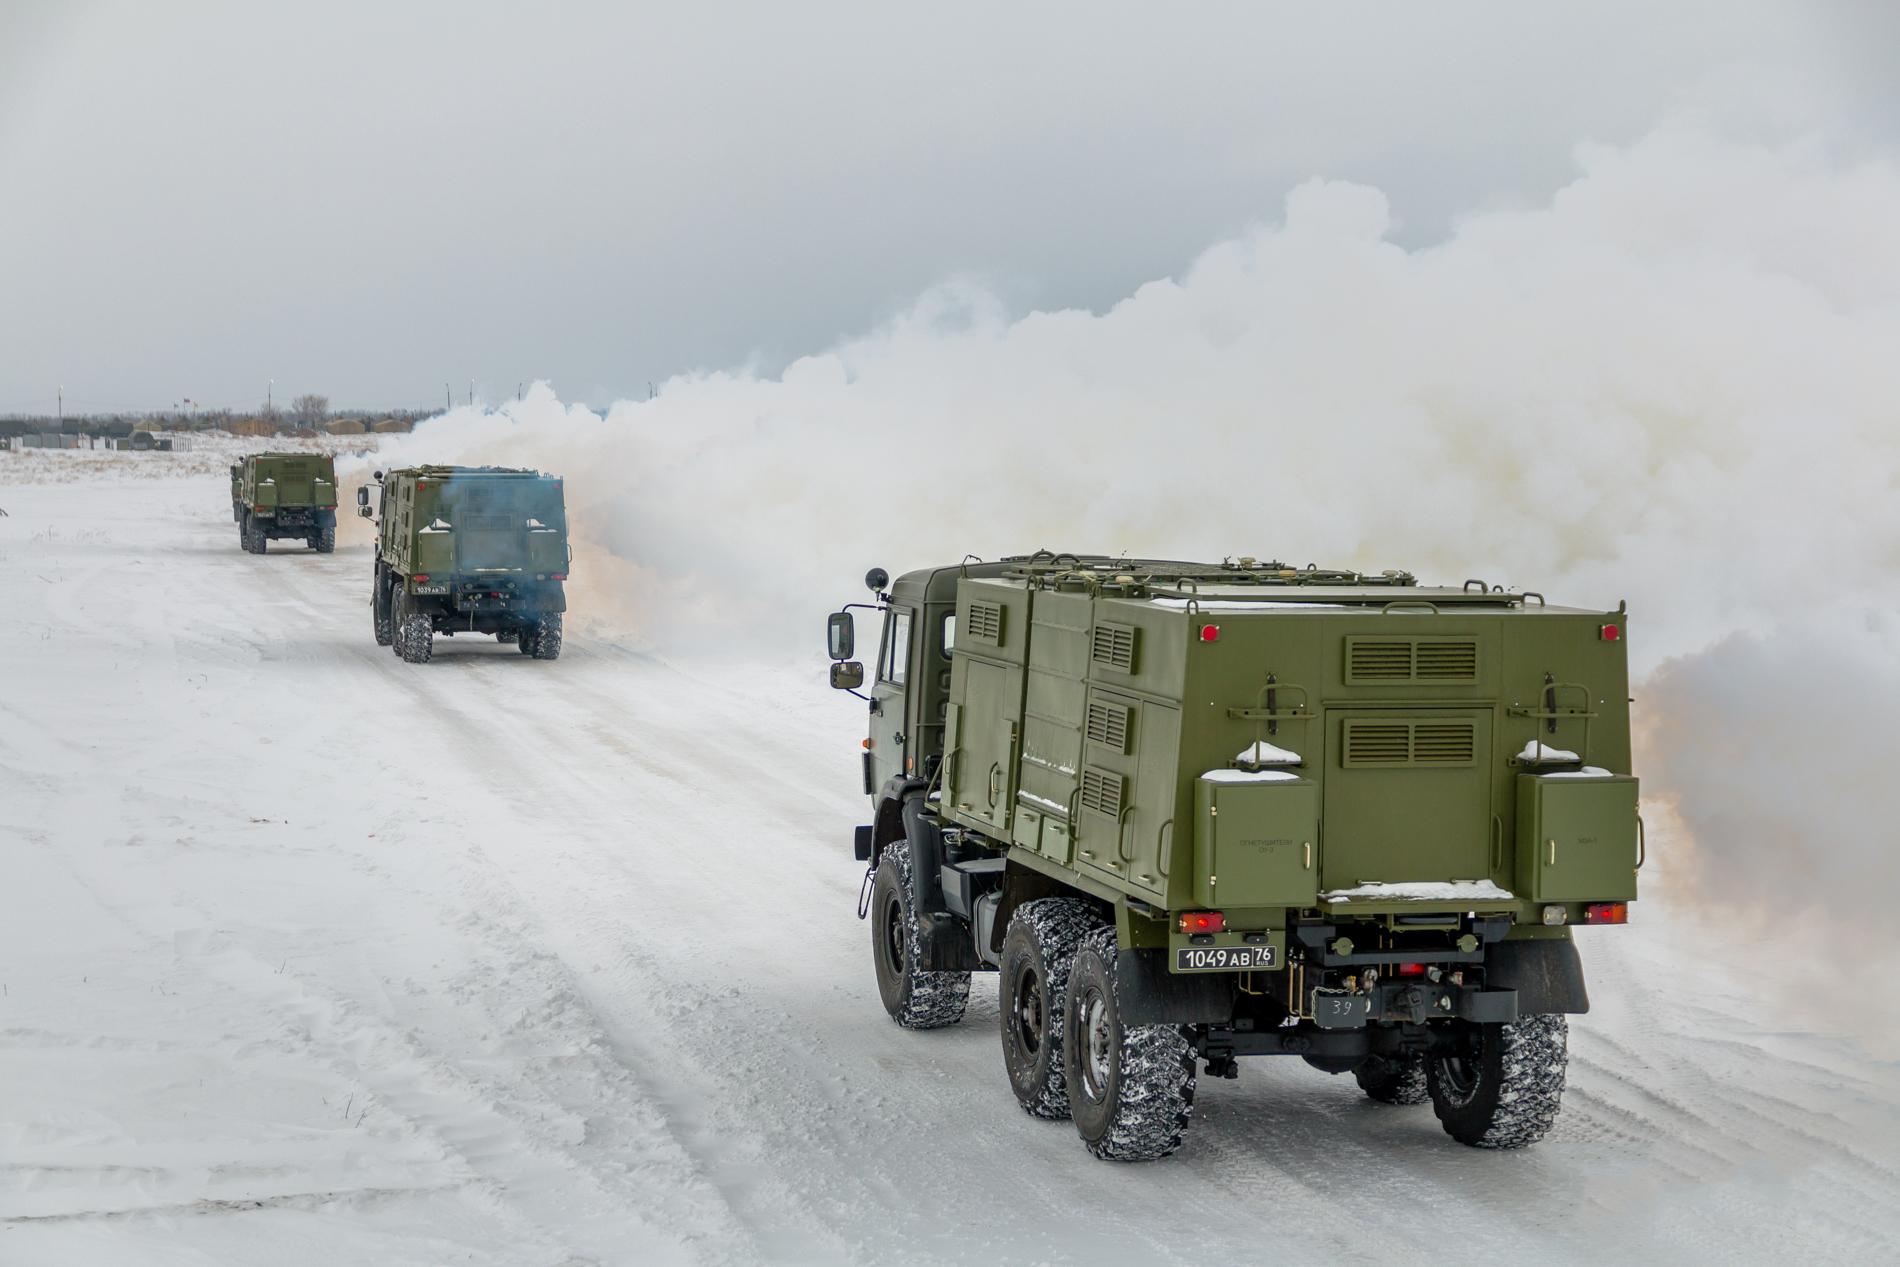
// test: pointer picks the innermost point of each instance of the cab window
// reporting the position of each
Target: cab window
(949, 633)
(897, 646)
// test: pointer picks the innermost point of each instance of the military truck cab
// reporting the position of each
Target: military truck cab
(461, 549)
(284, 495)
(1194, 812)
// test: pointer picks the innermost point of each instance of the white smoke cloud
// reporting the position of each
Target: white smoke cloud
(1678, 382)
(1669, 384)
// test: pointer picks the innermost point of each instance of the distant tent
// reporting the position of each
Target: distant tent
(345, 427)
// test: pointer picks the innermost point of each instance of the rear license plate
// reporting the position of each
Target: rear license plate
(1223, 958)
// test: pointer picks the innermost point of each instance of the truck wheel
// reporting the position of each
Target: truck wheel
(379, 600)
(324, 542)
(547, 637)
(1503, 1090)
(1038, 953)
(256, 531)
(1394, 1079)
(1131, 1088)
(507, 636)
(915, 999)
(415, 636)
(524, 641)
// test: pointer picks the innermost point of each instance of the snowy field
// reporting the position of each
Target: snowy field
(309, 956)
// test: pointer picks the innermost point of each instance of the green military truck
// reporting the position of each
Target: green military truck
(468, 549)
(1193, 812)
(278, 495)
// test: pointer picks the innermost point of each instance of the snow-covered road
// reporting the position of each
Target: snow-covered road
(311, 956)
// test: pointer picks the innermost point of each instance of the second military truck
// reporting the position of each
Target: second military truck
(467, 549)
(1194, 812)
(278, 495)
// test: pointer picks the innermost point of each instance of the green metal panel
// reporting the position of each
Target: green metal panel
(435, 552)
(1053, 703)
(1576, 838)
(1396, 818)
(980, 767)
(1256, 844)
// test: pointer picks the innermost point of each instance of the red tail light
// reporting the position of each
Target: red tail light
(1607, 913)
(1409, 970)
(559, 576)
(1203, 922)
(421, 578)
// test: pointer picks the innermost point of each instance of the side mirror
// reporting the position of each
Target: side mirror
(840, 635)
(876, 579)
(365, 512)
(362, 496)
(848, 676)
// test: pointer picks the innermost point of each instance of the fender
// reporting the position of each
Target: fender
(1547, 974)
(888, 821)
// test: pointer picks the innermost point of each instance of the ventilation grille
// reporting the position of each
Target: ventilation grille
(1114, 646)
(1108, 725)
(1102, 792)
(1446, 661)
(1444, 743)
(1400, 743)
(984, 623)
(1375, 660)
(487, 523)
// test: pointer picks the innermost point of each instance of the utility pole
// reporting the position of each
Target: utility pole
(62, 406)
(517, 391)
(650, 392)
(448, 401)
(270, 395)
(471, 393)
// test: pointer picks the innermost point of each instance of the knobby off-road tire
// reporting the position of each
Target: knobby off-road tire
(1131, 1087)
(1038, 952)
(915, 999)
(508, 637)
(415, 634)
(547, 637)
(324, 541)
(524, 640)
(1394, 1079)
(1505, 1091)
(380, 600)
(253, 535)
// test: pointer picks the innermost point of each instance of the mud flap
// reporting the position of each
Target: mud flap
(1146, 993)
(1547, 974)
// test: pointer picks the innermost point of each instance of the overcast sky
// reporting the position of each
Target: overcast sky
(370, 200)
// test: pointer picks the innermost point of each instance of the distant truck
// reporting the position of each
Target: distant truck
(278, 495)
(468, 549)
(1193, 812)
